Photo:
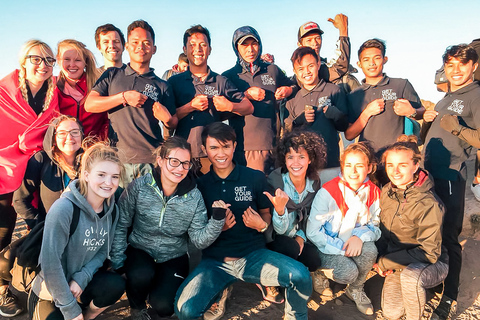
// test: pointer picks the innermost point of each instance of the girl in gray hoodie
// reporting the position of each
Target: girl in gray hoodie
(70, 262)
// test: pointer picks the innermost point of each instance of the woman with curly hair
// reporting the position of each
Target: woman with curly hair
(300, 155)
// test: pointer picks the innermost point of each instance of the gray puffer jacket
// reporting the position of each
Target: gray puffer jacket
(159, 225)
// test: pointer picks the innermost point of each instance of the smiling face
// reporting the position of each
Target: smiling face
(249, 49)
(110, 45)
(220, 153)
(459, 74)
(65, 141)
(307, 71)
(102, 179)
(356, 169)
(140, 46)
(400, 167)
(37, 74)
(297, 163)
(170, 174)
(197, 49)
(371, 62)
(72, 64)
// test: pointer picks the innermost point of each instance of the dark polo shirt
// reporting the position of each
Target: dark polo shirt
(135, 131)
(242, 188)
(258, 130)
(445, 153)
(383, 129)
(326, 124)
(185, 88)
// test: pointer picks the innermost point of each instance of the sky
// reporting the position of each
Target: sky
(416, 32)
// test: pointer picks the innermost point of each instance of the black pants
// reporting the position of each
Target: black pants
(290, 247)
(104, 289)
(158, 281)
(452, 194)
(8, 218)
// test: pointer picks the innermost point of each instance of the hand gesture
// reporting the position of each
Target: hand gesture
(253, 220)
(450, 123)
(222, 104)
(402, 107)
(75, 289)
(229, 217)
(301, 243)
(430, 115)
(134, 98)
(279, 201)
(341, 23)
(353, 247)
(381, 272)
(200, 102)
(160, 112)
(310, 115)
(375, 107)
(255, 93)
(283, 92)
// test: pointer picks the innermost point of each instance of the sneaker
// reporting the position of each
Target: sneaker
(8, 305)
(142, 314)
(271, 294)
(321, 284)
(217, 310)
(476, 190)
(364, 305)
(445, 309)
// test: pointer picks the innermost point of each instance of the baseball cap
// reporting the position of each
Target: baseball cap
(308, 27)
(242, 39)
(440, 76)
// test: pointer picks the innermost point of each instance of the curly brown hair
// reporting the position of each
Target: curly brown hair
(311, 142)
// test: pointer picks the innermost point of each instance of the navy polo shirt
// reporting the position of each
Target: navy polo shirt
(135, 131)
(242, 188)
(185, 87)
(326, 124)
(258, 130)
(383, 129)
(445, 153)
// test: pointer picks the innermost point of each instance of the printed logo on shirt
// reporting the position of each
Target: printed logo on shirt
(388, 94)
(324, 102)
(267, 80)
(210, 91)
(151, 92)
(456, 106)
(93, 241)
(242, 194)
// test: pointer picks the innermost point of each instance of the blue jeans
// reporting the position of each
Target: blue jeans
(199, 290)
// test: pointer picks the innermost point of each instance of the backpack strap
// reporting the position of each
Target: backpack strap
(75, 219)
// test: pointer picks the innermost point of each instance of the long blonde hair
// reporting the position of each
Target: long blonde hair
(22, 81)
(86, 55)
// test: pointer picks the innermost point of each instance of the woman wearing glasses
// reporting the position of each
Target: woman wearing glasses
(78, 73)
(27, 104)
(159, 212)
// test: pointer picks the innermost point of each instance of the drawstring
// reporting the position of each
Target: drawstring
(450, 187)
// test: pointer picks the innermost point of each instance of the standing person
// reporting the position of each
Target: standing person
(410, 250)
(181, 66)
(263, 84)
(136, 99)
(110, 41)
(28, 101)
(319, 106)
(50, 171)
(70, 262)
(344, 225)
(163, 211)
(78, 73)
(451, 136)
(295, 182)
(201, 95)
(239, 252)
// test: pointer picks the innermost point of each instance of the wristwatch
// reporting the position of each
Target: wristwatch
(413, 115)
(456, 132)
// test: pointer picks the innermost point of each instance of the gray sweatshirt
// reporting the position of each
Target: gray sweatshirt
(77, 257)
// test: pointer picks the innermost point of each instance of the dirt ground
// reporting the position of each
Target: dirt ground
(246, 300)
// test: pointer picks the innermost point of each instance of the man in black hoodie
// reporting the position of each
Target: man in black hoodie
(454, 130)
(263, 84)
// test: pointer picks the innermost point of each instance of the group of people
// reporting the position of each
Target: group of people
(253, 174)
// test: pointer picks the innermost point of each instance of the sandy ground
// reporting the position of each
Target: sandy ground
(246, 300)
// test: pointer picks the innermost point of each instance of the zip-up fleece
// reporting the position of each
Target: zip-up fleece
(411, 222)
(161, 226)
(64, 258)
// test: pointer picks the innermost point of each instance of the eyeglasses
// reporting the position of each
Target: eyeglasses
(74, 133)
(174, 162)
(37, 60)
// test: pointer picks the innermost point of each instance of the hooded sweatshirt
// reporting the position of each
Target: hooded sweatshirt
(411, 224)
(256, 131)
(43, 183)
(64, 258)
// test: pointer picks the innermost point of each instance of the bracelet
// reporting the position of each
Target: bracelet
(124, 100)
(264, 229)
